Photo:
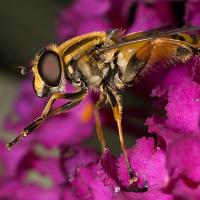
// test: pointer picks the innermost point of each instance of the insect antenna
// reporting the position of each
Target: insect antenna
(24, 70)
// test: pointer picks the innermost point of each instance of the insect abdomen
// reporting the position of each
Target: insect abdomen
(157, 50)
(191, 39)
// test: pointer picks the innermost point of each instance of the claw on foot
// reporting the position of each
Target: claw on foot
(23, 134)
(134, 188)
(9, 146)
(133, 180)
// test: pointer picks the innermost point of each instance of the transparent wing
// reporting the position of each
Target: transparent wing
(140, 37)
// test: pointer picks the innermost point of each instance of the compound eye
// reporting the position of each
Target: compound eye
(49, 68)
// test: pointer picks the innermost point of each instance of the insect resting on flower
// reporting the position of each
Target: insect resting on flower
(107, 62)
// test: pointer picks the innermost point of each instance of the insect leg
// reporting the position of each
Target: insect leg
(48, 111)
(75, 98)
(36, 123)
(101, 101)
(64, 107)
(115, 101)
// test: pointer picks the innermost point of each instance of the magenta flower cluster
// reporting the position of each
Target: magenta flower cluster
(169, 166)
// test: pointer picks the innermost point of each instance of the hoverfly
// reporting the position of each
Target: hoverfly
(107, 62)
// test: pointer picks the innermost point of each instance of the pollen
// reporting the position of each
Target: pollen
(87, 112)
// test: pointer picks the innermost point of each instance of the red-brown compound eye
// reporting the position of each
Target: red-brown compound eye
(49, 68)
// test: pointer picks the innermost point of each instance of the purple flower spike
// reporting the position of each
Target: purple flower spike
(9, 161)
(147, 162)
(183, 157)
(150, 195)
(14, 190)
(75, 157)
(75, 21)
(108, 169)
(192, 12)
(87, 184)
(68, 194)
(91, 7)
(183, 190)
(183, 111)
(158, 13)
(183, 107)
(49, 167)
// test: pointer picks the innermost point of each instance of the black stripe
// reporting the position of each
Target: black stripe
(116, 58)
(198, 51)
(135, 64)
(78, 44)
(178, 37)
(132, 13)
(179, 11)
(134, 67)
(182, 51)
(194, 39)
(111, 98)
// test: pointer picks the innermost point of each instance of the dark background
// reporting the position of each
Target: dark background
(26, 26)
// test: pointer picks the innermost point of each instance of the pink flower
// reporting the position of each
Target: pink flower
(74, 157)
(167, 166)
(186, 189)
(151, 195)
(146, 161)
(184, 164)
(14, 190)
(9, 161)
(156, 15)
(178, 127)
(192, 12)
(87, 185)
(74, 20)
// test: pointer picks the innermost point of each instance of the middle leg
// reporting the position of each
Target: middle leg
(101, 101)
(115, 101)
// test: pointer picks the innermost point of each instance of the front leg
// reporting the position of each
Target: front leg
(48, 111)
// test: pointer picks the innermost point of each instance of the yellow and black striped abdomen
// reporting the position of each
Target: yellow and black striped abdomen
(178, 48)
(192, 39)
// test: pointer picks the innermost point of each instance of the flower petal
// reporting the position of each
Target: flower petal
(150, 195)
(187, 162)
(108, 169)
(147, 162)
(192, 12)
(87, 184)
(183, 191)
